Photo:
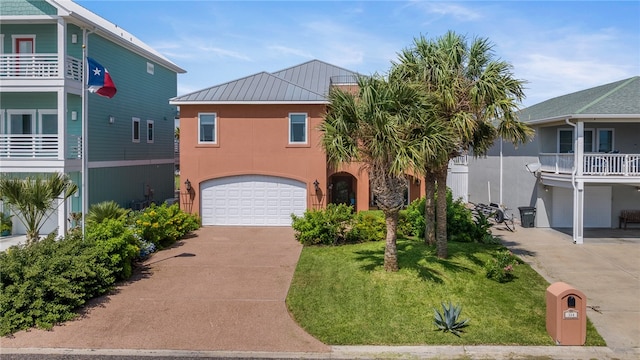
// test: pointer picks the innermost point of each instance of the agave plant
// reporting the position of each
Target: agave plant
(447, 321)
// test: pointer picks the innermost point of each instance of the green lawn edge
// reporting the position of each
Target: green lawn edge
(342, 296)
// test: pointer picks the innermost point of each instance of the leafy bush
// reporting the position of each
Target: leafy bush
(447, 321)
(163, 225)
(411, 220)
(368, 226)
(42, 284)
(116, 245)
(323, 227)
(461, 225)
(500, 267)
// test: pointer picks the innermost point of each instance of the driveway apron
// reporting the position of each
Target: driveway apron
(222, 289)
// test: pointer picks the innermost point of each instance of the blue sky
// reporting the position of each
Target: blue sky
(556, 46)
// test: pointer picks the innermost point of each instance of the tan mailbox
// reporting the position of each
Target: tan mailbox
(566, 314)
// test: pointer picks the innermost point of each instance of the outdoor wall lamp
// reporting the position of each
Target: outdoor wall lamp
(316, 185)
(112, 119)
(187, 185)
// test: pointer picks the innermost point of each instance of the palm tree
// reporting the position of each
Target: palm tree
(476, 94)
(34, 199)
(379, 127)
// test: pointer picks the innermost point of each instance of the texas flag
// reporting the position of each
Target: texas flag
(99, 80)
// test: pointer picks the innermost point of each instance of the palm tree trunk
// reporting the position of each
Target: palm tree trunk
(441, 212)
(430, 209)
(391, 249)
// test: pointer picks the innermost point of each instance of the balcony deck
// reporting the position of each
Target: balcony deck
(594, 164)
(38, 66)
(41, 147)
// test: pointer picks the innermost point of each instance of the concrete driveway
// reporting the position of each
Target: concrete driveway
(223, 289)
(606, 268)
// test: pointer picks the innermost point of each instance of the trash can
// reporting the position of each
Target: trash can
(527, 216)
(566, 314)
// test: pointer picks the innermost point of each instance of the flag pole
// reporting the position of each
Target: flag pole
(85, 198)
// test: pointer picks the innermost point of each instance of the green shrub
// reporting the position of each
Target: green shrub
(461, 225)
(116, 245)
(42, 284)
(411, 221)
(500, 267)
(368, 226)
(163, 225)
(323, 227)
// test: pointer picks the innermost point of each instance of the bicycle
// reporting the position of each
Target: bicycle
(498, 213)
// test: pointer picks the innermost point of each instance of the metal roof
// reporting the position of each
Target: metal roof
(614, 100)
(305, 83)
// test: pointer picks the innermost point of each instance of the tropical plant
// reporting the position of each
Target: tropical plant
(33, 200)
(377, 127)
(105, 210)
(475, 93)
(447, 321)
(6, 224)
(500, 267)
(323, 226)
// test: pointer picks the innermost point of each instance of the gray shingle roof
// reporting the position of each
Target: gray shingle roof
(306, 83)
(617, 98)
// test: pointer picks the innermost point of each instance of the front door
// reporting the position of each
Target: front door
(342, 190)
(23, 47)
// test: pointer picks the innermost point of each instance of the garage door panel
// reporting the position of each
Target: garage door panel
(252, 200)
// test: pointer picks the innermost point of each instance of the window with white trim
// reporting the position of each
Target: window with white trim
(21, 122)
(565, 140)
(207, 129)
(135, 130)
(297, 128)
(150, 131)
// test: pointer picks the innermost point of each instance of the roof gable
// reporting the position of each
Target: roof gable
(308, 83)
(314, 75)
(261, 87)
(617, 98)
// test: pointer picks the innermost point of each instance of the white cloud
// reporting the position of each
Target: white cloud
(284, 50)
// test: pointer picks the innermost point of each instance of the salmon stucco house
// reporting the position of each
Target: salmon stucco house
(250, 150)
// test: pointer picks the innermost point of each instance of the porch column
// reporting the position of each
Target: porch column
(578, 212)
(62, 217)
(579, 148)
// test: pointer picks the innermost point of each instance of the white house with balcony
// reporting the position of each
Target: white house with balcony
(129, 152)
(581, 170)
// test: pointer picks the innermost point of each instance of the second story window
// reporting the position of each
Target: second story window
(149, 131)
(207, 128)
(135, 129)
(297, 128)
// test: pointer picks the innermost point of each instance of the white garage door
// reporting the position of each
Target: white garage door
(597, 207)
(252, 200)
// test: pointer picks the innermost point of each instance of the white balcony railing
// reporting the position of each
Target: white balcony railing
(593, 164)
(38, 66)
(38, 147)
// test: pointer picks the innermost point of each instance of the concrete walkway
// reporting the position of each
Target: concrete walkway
(222, 294)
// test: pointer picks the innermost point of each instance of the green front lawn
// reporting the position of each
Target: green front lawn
(343, 296)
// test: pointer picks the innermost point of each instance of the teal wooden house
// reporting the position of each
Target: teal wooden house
(128, 152)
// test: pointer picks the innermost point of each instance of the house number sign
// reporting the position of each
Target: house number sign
(570, 314)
